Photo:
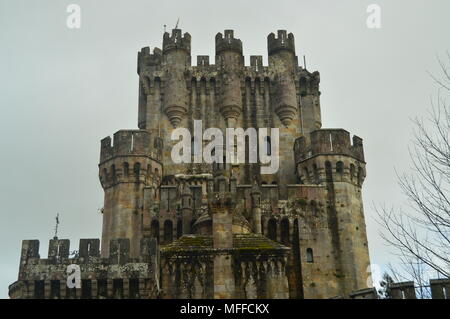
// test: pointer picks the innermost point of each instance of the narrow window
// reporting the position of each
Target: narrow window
(102, 288)
(168, 231)
(86, 289)
(154, 230)
(134, 288)
(340, 168)
(126, 169)
(285, 231)
(309, 255)
(39, 289)
(118, 288)
(137, 170)
(272, 229)
(55, 289)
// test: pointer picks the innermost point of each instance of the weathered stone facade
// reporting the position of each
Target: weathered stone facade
(221, 230)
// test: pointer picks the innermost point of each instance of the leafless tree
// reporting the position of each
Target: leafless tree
(420, 232)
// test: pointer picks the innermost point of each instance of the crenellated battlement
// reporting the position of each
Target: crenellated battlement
(202, 60)
(129, 143)
(328, 142)
(146, 59)
(116, 276)
(176, 41)
(308, 83)
(227, 42)
(88, 252)
(284, 41)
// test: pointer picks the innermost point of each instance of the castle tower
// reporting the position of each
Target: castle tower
(285, 105)
(331, 160)
(228, 231)
(126, 167)
(230, 61)
(283, 61)
(176, 57)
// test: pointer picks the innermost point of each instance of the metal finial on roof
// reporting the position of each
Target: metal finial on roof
(56, 226)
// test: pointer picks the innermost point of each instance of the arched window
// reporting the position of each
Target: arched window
(137, 170)
(168, 231)
(285, 231)
(154, 230)
(309, 255)
(340, 168)
(126, 169)
(272, 229)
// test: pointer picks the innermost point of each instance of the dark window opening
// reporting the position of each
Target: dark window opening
(86, 289)
(137, 170)
(340, 168)
(55, 288)
(39, 289)
(126, 169)
(118, 288)
(168, 231)
(102, 289)
(309, 255)
(134, 288)
(272, 229)
(179, 228)
(154, 230)
(284, 231)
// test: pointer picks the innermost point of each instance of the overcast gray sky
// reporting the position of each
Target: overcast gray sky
(63, 90)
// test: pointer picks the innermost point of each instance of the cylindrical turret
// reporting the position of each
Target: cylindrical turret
(282, 59)
(177, 56)
(126, 167)
(231, 61)
(332, 160)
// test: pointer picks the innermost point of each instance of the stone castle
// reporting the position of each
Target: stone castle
(219, 230)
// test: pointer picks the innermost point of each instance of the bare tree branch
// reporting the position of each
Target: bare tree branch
(420, 234)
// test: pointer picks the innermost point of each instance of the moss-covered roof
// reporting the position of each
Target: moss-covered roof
(251, 243)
